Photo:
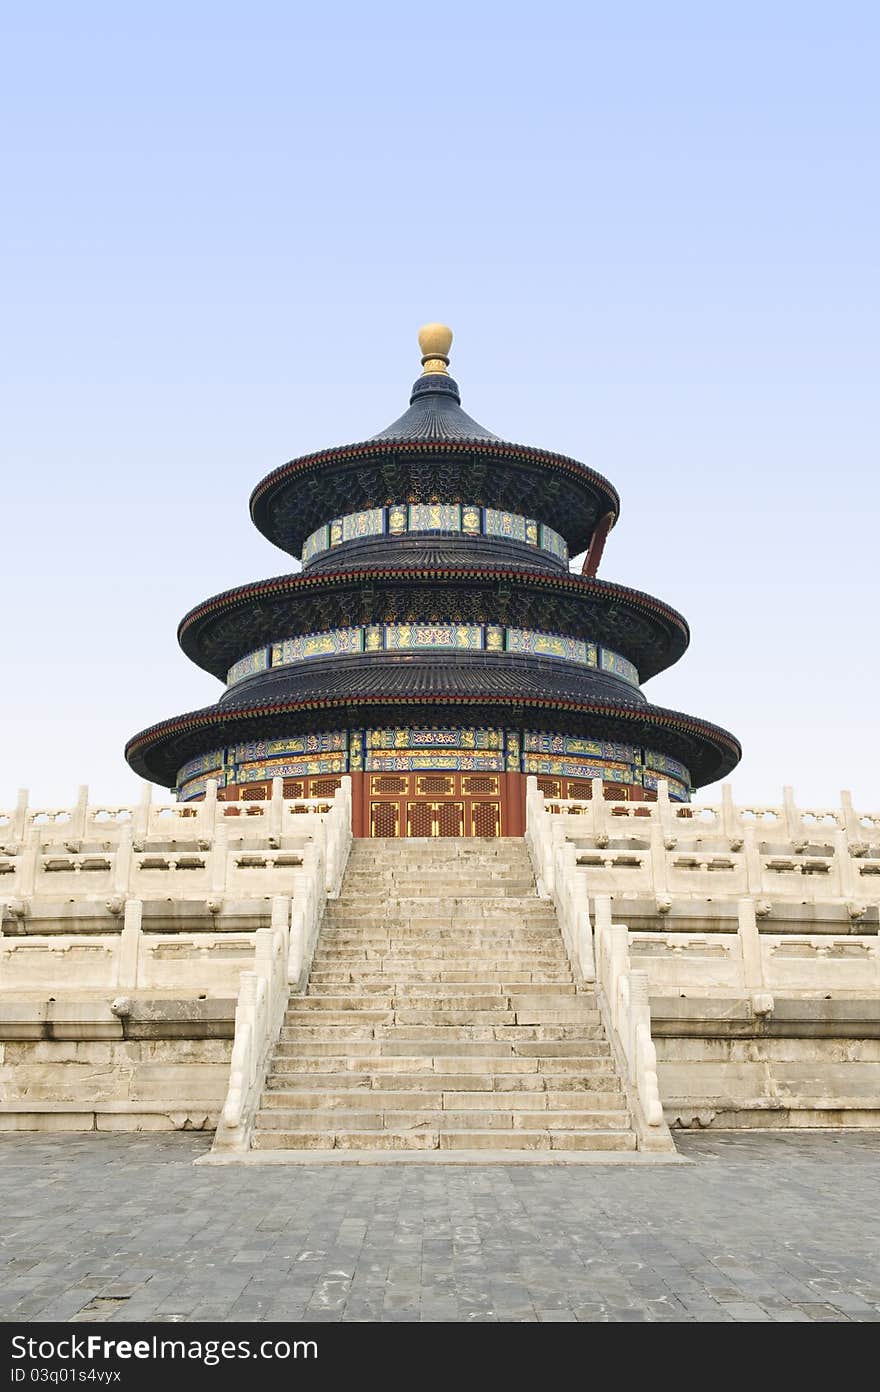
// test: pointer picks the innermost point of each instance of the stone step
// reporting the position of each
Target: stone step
(343, 1018)
(438, 958)
(393, 980)
(381, 986)
(288, 1070)
(343, 976)
(396, 917)
(480, 994)
(469, 879)
(375, 891)
(467, 938)
(449, 905)
(332, 1119)
(383, 1099)
(310, 1081)
(350, 1025)
(371, 888)
(447, 1140)
(439, 1017)
(365, 1047)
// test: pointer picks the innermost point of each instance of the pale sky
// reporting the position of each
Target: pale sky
(654, 234)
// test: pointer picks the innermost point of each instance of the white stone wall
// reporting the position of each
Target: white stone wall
(756, 928)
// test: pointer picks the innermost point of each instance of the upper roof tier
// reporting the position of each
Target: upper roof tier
(434, 452)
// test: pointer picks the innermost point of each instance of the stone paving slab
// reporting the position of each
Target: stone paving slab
(771, 1227)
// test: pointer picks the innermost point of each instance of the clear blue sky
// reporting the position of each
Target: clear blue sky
(653, 229)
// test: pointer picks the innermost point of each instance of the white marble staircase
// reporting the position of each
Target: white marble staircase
(441, 1014)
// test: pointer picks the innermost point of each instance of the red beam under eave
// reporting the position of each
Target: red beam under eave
(597, 545)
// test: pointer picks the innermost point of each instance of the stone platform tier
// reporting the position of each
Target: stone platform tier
(442, 1014)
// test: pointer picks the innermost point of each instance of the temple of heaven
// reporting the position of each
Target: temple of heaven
(435, 644)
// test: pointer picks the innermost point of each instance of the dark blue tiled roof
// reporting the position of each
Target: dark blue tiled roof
(435, 414)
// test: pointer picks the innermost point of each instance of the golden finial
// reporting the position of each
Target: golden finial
(435, 341)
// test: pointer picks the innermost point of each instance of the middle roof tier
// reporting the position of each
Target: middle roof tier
(222, 630)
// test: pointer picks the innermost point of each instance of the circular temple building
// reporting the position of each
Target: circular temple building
(435, 644)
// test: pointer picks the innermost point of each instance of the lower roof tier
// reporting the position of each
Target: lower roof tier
(404, 762)
(222, 630)
(160, 752)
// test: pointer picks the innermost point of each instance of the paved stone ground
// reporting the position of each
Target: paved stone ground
(120, 1228)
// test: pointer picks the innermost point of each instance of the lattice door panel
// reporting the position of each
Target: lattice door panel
(323, 787)
(480, 785)
(384, 819)
(581, 788)
(388, 785)
(550, 787)
(435, 784)
(420, 819)
(448, 819)
(485, 819)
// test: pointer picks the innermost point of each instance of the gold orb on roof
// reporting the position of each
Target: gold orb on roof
(435, 341)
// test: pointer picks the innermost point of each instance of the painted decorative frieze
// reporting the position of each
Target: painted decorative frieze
(402, 518)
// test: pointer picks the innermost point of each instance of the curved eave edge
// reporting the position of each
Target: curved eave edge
(366, 449)
(151, 739)
(188, 630)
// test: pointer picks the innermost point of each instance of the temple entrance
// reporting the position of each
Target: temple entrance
(434, 804)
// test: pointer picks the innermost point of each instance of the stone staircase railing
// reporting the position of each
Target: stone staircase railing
(621, 992)
(623, 1000)
(109, 823)
(281, 958)
(210, 851)
(671, 852)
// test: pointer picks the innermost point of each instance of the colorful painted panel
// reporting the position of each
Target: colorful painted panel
(435, 739)
(619, 667)
(449, 761)
(450, 636)
(435, 517)
(198, 787)
(505, 524)
(521, 640)
(512, 751)
(289, 768)
(205, 763)
(538, 742)
(355, 750)
(663, 764)
(327, 741)
(552, 541)
(678, 792)
(571, 768)
(318, 541)
(248, 666)
(363, 524)
(494, 638)
(329, 644)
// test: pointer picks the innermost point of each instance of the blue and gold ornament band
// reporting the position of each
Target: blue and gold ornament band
(403, 518)
(431, 637)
